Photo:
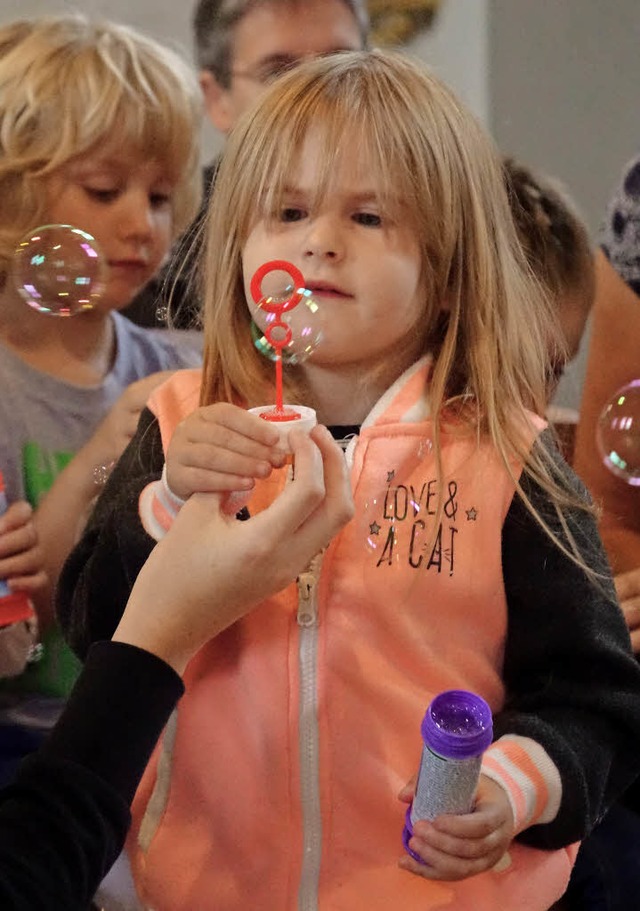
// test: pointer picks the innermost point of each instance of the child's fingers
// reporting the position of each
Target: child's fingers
(491, 813)
(195, 480)
(30, 583)
(221, 459)
(484, 840)
(18, 541)
(238, 430)
(206, 456)
(451, 858)
(406, 794)
(457, 846)
(478, 824)
(439, 865)
(18, 514)
(23, 562)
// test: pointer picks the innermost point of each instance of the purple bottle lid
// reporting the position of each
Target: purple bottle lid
(457, 725)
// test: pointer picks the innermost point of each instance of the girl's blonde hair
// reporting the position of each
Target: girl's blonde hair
(487, 319)
(69, 86)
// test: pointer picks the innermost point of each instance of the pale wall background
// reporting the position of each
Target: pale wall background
(555, 81)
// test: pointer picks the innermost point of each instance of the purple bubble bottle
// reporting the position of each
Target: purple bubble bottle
(456, 730)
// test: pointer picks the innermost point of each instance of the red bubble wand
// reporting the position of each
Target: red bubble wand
(278, 332)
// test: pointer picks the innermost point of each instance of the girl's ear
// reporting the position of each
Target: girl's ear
(217, 101)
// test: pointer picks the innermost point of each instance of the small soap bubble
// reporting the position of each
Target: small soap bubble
(374, 525)
(618, 434)
(35, 653)
(425, 448)
(101, 473)
(59, 270)
(383, 517)
(298, 329)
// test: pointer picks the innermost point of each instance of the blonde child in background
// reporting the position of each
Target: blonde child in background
(276, 785)
(100, 130)
(556, 243)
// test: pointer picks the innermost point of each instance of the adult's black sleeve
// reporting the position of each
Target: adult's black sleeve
(64, 820)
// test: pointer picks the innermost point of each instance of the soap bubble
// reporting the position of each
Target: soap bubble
(101, 473)
(298, 330)
(286, 317)
(59, 270)
(375, 527)
(618, 433)
(425, 448)
(385, 519)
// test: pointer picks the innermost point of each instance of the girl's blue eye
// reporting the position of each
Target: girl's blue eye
(368, 219)
(291, 213)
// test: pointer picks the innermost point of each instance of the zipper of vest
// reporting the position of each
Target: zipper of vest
(307, 619)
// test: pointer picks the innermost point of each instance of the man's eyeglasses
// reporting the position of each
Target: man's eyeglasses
(267, 71)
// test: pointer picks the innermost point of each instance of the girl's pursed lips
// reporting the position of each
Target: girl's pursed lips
(326, 288)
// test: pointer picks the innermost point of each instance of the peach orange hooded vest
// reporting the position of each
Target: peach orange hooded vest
(274, 786)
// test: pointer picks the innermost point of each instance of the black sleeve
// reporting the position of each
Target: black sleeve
(64, 820)
(572, 683)
(99, 573)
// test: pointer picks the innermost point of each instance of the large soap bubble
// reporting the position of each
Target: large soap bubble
(618, 433)
(59, 270)
(287, 321)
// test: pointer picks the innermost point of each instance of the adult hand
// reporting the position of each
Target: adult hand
(210, 568)
(455, 847)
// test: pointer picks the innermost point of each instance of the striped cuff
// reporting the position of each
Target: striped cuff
(529, 777)
(158, 506)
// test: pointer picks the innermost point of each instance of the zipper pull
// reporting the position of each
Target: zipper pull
(307, 613)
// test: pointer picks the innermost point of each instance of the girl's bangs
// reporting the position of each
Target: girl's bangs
(338, 129)
(156, 133)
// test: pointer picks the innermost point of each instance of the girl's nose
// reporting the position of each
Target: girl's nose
(323, 239)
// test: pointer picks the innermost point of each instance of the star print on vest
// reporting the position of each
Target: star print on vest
(400, 525)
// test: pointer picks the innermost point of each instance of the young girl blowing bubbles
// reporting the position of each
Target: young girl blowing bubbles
(276, 785)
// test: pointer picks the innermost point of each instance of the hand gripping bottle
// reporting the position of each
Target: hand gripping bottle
(456, 730)
(14, 606)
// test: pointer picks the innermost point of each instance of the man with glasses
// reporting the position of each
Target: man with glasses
(241, 46)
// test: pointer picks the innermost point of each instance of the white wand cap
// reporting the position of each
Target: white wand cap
(306, 422)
